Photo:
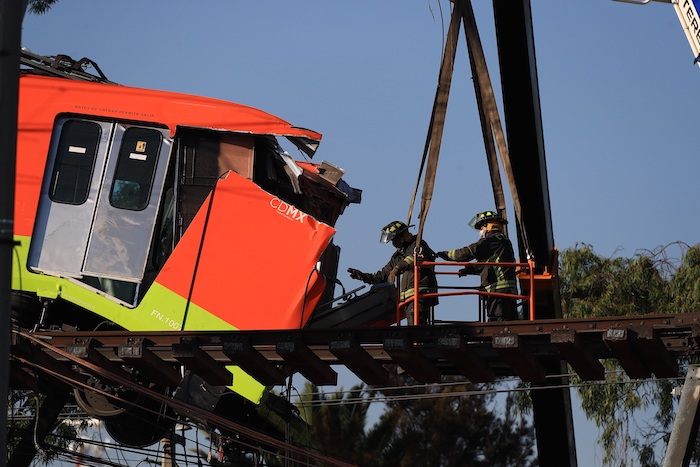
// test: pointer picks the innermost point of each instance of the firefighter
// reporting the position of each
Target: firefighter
(493, 246)
(401, 264)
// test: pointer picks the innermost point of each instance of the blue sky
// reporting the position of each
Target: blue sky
(617, 84)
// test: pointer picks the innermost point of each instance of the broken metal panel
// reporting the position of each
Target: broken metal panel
(519, 357)
(569, 344)
(361, 363)
(304, 144)
(408, 357)
(243, 354)
(456, 350)
(194, 390)
(297, 354)
(619, 341)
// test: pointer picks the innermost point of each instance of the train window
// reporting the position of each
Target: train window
(75, 161)
(133, 178)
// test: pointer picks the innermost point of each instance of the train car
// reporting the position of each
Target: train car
(148, 210)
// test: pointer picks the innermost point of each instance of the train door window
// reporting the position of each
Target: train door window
(75, 161)
(133, 178)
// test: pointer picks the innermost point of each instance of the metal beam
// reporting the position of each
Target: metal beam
(554, 425)
(359, 361)
(456, 350)
(408, 357)
(136, 353)
(11, 16)
(570, 345)
(620, 341)
(296, 353)
(520, 358)
(241, 353)
(198, 361)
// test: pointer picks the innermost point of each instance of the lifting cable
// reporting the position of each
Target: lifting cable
(437, 123)
(491, 122)
(488, 113)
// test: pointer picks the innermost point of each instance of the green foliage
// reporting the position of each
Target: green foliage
(337, 421)
(40, 6)
(449, 425)
(452, 424)
(594, 286)
(649, 282)
(22, 412)
(684, 287)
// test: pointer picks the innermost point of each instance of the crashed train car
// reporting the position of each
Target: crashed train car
(147, 210)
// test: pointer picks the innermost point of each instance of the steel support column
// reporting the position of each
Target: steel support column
(523, 119)
(11, 15)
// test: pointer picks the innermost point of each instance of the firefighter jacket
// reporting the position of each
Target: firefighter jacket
(492, 248)
(402, 262)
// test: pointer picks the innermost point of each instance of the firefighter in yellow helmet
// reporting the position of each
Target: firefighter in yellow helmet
(401, 263)
(493, 246)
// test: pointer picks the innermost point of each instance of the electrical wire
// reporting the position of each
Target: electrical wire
(244, 433)
(274, 446)
(402, 397)
(440, 394)
(200, 248)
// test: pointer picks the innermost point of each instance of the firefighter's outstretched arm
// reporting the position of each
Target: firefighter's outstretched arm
(361, 276)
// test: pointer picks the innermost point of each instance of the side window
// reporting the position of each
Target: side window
(133, 177)
(75, 161)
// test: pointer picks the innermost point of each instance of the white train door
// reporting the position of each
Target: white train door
(99, 199)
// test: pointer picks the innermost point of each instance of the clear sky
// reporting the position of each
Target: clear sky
(617, 86)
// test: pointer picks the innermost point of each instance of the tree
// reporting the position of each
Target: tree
(40, 6)
(337, 421)
(23, 410)
(649, 282)
(450, 424)
(453, 424)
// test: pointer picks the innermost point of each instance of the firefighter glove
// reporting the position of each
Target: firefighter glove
(467, 270)
(359, 275)
(443, 254)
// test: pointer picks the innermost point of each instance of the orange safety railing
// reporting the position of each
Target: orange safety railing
(418, 263)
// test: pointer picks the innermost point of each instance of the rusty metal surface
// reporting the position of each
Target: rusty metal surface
(645, 346)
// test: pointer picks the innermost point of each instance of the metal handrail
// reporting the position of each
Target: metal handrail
(417, 295)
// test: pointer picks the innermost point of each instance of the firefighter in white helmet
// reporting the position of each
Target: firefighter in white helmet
(492, 247)
(401, 263)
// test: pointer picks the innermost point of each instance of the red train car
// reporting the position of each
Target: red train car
(149, 210)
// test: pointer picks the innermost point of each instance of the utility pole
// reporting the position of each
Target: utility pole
(11, 16)
(167, 452)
